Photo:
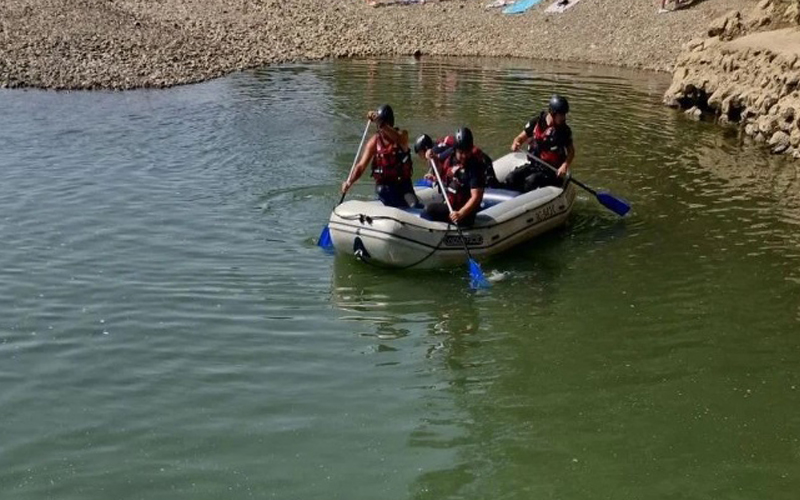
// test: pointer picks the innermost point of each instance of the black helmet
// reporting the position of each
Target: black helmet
(423, 143)
(558, 105)
(464, 141)
(385, 115)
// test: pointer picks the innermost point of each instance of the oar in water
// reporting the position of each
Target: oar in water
(476, 278)
(325, 236)
(608, 200)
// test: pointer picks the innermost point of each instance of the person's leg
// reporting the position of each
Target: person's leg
(539, 176)
(385, 194)
(552, 179)
(406, 189)
(437, 211)
(467, 221)
(390, 195)
(399, 195)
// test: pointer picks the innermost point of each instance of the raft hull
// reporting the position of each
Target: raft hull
(401, 238)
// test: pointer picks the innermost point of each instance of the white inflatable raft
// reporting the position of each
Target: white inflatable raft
(402, 238)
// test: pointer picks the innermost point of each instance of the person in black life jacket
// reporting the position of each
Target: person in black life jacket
(464, 179)
(390, 156)
(441, 152)
(550, 139)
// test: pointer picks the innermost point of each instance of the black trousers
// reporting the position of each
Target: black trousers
(532, 176)
(400, 194)
(438, 211)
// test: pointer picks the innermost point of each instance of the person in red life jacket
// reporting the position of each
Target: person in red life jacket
(550, 139)
(442, 151)
(442, 148)
(390, 156)
(465, 181)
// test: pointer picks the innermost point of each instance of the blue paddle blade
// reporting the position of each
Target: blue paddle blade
(616, 205)
(325, 240)
(476, 278)
(424, 183)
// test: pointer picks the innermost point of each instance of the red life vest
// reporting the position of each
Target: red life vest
(545, 145)
(456, 188)
(448, 141)
(390, 164)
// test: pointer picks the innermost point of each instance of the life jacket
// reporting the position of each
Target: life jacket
(448, 141)
(456, 187)
(390, 164)
(444, 146)
(545, 145)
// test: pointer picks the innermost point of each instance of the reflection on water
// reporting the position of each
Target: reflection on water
(170, 326)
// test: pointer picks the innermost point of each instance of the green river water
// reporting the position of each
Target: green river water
(169, 330)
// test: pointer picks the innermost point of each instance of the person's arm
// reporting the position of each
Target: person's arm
(564, 168)
(444, 152)
(520, 140)
(475, 198)
(396, 137)
(526, 135)
(477, 183)
(439, 153)
(366, 158)
(439, 167)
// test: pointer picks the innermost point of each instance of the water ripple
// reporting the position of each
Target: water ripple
(170, 326)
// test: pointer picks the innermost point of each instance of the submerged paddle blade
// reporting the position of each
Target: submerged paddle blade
(616, 205)
(325, 239)
(476, 278)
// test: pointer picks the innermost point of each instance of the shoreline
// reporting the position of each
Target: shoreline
(139, 44)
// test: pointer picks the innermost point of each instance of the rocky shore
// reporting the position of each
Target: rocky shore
(122, 44)
(746, 71)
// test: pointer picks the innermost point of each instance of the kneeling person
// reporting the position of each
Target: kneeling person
(391, 162)
(442, 151)
(549, 139)
(464, 180)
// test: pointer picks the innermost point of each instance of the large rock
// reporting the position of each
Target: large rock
(794, 138)
(726, 26)
(792, 13)
(779, 138)
(767, 125)
(754, 82)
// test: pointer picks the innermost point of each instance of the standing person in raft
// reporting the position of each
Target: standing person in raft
(391, 161)
(549, 139)
(464, 180)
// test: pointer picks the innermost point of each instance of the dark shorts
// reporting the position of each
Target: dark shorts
(400, 195)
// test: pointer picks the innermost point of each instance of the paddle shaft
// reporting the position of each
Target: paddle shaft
(554, 169)
(450, 207)
(355, 160)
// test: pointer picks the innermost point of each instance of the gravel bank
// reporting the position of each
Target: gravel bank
(121, 44)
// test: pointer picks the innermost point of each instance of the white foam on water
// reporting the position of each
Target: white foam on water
(495, 276)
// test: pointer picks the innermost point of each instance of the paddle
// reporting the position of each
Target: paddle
(325, 236)
(476, 278)
(608, 200)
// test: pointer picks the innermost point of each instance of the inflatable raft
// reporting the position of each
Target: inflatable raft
(402, 238)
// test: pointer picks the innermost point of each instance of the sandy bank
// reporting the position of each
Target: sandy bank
(70, 44)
